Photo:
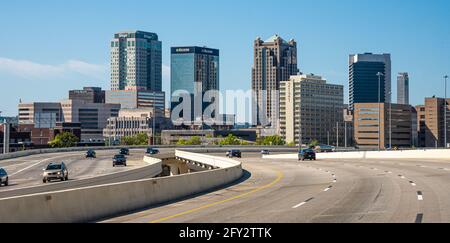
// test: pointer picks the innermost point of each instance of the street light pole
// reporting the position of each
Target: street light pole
(379, 74)
(154, 121)
(390, 122)
(445, 111)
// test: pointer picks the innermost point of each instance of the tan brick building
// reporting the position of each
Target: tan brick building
(367, 124)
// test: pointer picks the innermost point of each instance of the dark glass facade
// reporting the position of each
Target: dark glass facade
(192, 69)
(364, 85)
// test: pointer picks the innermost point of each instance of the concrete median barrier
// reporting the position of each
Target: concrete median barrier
(406, 154)
(93, 203)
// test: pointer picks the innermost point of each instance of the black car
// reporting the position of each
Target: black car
(305, 154)
(119, 159)
(152, 151)
(234, 153)
(91, 154)
(4, 180)
(124, 151)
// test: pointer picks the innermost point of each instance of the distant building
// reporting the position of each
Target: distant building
(88, 95)
(312, 108)
(133, 99)
(363, 79)
(194, 71)
(367, 125)
(172, 137)
(275, 60)
(91, 116)
(421, 125)
(136, 61)
(131, 122)
(18, 140)
(434, 130)
(403, 88)
(40, 137)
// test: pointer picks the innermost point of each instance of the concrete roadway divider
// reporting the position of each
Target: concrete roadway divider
(406, 154)
(93, 203)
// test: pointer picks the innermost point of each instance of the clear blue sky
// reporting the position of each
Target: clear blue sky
(50, 46)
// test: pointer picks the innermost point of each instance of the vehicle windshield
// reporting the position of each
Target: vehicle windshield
(53, 167)
(2, 172)
(308, 150)
(119, 156)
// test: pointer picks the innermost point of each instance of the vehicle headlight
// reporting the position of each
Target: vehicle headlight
(59, 173)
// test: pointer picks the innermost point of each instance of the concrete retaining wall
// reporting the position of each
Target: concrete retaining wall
(408, 154)
(92, 203)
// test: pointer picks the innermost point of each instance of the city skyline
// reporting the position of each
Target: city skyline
(59, 63)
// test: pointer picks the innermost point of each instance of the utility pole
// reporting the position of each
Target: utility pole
(445, 111)
(337, 135)
(379, 74)
(345, 134)
(5, 136)
(390, 123)
(154, 120)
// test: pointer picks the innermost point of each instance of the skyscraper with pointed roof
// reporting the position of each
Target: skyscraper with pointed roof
(275, 60)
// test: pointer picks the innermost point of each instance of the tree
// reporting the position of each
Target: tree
(140, 139)
(230, 140)
(272, 141)
(291, 144)
(64, 140)
(193, 141)
(314, 143)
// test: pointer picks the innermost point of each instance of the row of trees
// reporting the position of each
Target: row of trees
(67, 139)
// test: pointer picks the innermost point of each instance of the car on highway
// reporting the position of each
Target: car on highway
(119, 159)
(152, 151)
(325, 149)
(305, 154)
(124, 151)
(91, 154)
(265, 152)
(234, 153)
(4, 179)
(55, 171)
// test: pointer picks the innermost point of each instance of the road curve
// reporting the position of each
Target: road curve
(25, 173)
(328, 191)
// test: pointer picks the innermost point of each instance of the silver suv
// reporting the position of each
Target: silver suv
(4, 180)
(55, 171)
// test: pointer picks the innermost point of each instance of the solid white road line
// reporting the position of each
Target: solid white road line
(327, 189)
(29, 167)
(299, 205)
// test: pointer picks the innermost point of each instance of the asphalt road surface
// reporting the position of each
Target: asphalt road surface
(327, 191)
(25, 173)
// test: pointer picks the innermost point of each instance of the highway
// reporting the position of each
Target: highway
(327, 191)
(25, 173)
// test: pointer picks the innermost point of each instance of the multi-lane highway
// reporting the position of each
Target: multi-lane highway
(25, 173)
(327, 191)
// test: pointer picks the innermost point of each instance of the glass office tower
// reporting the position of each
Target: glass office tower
(194, 70)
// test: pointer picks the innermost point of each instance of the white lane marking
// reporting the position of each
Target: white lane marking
(334, 181)
(413, 184)
(419, 196)
(327, 189)
(299, 205)
(29, 167)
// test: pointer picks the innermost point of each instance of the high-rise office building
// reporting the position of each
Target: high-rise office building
(194, 71)
(275, 60)
(363, 79)
(136, 61)
(403, 88)
(310, 105)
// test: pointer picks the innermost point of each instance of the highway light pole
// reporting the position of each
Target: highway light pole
(5, 136)
(390, 122)
(379, 74)
(445, 111)
(154, 121)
